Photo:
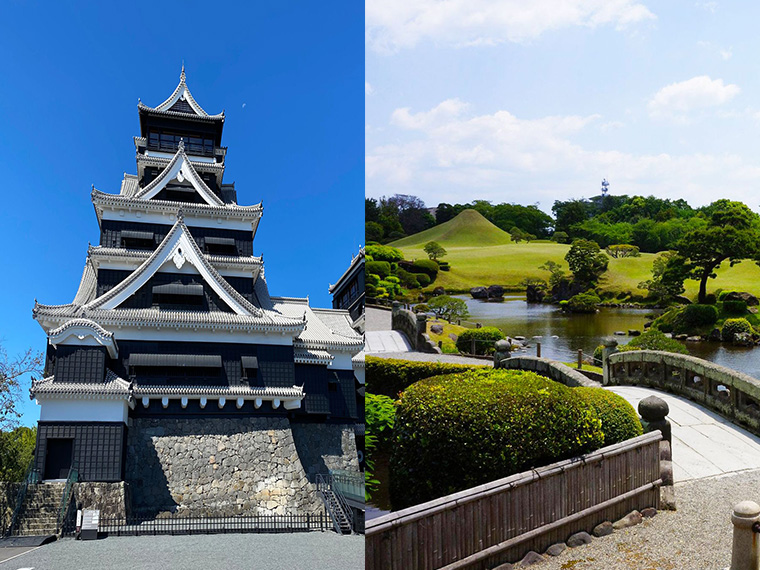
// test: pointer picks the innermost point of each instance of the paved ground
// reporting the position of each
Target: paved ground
(382, 342)
(377, 319)
(306, 551)
(704, 443)
(425, 357)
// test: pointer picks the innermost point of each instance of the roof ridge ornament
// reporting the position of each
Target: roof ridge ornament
(181, 145)
(180, 215)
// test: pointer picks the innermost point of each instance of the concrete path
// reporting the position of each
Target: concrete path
(377, 319)
(425, 357)
(381, 342)
(704, 443)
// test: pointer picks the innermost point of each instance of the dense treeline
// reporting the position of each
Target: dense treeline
(649, 223)
(389, 219)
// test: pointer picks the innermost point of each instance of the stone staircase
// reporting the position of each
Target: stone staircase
(39, 512)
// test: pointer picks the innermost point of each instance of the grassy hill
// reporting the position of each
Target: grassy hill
(469, 228)
(481, 254)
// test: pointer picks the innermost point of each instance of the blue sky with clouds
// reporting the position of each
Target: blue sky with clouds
(288, 75)
(532, 102)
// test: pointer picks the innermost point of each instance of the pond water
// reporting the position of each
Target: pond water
(561, 335)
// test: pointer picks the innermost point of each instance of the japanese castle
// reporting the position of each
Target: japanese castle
(173, 369)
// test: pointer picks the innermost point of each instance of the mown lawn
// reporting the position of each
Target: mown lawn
(448, 346)
(510, 264)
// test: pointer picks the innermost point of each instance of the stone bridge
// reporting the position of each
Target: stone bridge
(734, 395)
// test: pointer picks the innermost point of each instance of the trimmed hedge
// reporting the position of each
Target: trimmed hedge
(384, 253)
(732, 327)
(699, 315)
(583, 303)
(620, 421)
(389, 376)
(427, 266)
(381, 268)
(422, 278)
(456, 431)
(654, 340)
(735, 307)
(484, 337)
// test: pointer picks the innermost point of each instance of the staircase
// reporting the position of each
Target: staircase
(39, 511)
(336, 511)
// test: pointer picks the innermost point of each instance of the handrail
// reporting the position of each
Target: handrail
(326, 483)
(348, 483)
(72, 478)
(32, 476)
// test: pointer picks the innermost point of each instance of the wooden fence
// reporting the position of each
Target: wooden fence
(500, 521)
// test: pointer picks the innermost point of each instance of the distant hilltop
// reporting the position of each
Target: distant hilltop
(468, 229)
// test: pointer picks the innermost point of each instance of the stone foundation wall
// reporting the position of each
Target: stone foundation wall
(218, 467)
(326, 446)
(8, 496)
(111, 499)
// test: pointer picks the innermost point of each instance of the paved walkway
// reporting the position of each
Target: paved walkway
(381, 342)
(704, 443)
(377, 319)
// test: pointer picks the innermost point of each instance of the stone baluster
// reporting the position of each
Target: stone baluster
(653, 411)
(744, 554)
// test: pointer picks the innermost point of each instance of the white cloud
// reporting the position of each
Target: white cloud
(677, 100)
(368, 89)
(707, 6)
(449, 155)
(391, 25)
(724, 53)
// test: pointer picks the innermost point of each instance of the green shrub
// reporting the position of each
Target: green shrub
(619, 420)
(722, 294)
(710, 299)
(388, 376)
(732, 327)
(560, 237)
(583, 303)
(735, 307)
(370, 290)
(598, 354)
(16, 451)
(384, 253)
(484, 339)
(393, 279)
(457, 431)
(427, 266)
(381, 268)
(654, 340)
(421, 308)
(422, 278)
(372, 278)
(408, 280)
(699, 316)
(380, 413)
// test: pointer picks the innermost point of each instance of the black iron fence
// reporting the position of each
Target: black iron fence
(177, 525)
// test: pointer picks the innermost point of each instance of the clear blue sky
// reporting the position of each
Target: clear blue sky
(535, 102)
(289, 76)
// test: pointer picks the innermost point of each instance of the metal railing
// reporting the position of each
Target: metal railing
(151, 524)
(326, 486)
(349, 483)
(32, 477)
(72, 478)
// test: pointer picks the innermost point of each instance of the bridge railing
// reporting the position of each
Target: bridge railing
(732, 394)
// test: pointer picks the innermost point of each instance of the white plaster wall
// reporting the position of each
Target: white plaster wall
(341, 361)
(359, 373)
(70, 410)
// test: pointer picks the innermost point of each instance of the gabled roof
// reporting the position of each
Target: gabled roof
(177, 247)
(114, 387)
(318, 334)
(182, 169)
(81, 329)
(181, 102)
(129, 185)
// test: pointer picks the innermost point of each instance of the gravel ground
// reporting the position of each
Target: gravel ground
(697, 536)
(307, 551)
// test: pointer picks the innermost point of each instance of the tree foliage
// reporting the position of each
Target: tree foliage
(586, 261)
(449, 308)
(16, 449)
(731, 234)
(668, 274)
(434, 250)
(12, 369)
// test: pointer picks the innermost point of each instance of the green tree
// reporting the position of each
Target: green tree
(373, 231)
(517, 235)
(11, 372)
(16, 449)
(586, 261)
(448, 308)
(731, 234)
(434, 250)
(668, 274)
(557, 274)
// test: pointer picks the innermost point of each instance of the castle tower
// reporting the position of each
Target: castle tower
(173, 368)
